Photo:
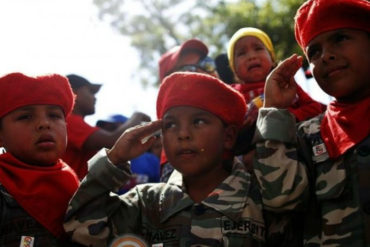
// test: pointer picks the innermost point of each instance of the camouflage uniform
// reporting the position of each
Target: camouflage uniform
(15, 222)
(337, 198)
(163, 212)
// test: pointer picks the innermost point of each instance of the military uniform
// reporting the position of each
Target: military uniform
(16, 225)
(296, 173)
(163, 213)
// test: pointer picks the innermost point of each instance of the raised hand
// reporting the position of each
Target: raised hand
(130, 144)
(280, 87)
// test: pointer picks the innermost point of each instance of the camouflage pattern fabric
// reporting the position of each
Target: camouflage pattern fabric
(336, 199)
(15, 222)
(163, 213)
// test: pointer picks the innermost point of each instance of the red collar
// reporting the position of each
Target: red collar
(345, 125)
(44, 192)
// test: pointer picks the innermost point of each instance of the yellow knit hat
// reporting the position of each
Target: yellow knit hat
(249, 31)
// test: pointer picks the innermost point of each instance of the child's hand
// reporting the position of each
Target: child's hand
(280, 87)
(130, 145)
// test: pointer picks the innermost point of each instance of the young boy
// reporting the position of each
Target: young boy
(251, 58)
(332, 149)
(35, 185)
(209, 199)
(192, 56)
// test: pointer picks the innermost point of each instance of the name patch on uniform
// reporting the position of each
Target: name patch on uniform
(161, 236)
(244, 226)
(27, 241)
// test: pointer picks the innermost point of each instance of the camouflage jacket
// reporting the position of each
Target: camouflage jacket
(296, 173)
(18, 228)
(163, 214)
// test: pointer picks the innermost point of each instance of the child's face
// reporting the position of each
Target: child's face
(194, 140)
(35, 134)
(252, 60)
(340, 63)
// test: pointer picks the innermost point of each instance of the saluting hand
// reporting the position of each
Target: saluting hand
(280, 87)
(130, 145)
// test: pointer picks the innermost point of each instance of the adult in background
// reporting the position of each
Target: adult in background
(85, 140)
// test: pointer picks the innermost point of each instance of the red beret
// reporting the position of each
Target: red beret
(18, 90)
(318, 16)
(168, 60)
(201, 91)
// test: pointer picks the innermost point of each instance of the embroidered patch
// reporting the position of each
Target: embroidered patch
(160, 236)
(319, 149)
(244, 226)
(27, 241)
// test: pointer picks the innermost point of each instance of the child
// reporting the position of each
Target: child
(192, 56)
(209, 199)
(35, 185)
(252, 57)
(332, 149)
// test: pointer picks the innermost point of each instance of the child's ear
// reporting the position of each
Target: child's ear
(231, 133)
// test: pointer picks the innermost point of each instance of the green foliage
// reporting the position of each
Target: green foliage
(155, 26)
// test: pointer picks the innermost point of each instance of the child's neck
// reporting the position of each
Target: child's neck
(199, 187)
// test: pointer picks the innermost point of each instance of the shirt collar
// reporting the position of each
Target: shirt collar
(228, 198)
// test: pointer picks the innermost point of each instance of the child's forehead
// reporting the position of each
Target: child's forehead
(39, 107)
(331, 36)
(178, 111)
(250, 39)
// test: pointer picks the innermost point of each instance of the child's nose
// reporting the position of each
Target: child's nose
(43, 123)
(327, 55)
(251, 55)
(184, 133)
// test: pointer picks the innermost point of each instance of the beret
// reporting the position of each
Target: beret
(201, 91)
(318, 16)
(18, 90)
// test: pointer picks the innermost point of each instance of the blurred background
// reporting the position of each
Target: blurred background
(118, 43)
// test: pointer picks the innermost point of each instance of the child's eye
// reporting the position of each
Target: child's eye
(24, 117)
(312, 53)
(340, 37)
(168, 125)
(240, 53)
(56, 115)
(199, 121)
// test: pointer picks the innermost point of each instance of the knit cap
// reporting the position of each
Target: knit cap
(249, 31)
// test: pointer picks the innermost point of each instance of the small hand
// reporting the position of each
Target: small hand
(280, 87)
(129, 144)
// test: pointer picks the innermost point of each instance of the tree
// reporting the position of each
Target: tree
(155, 26)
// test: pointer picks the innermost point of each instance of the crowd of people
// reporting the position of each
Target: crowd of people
(239, 155)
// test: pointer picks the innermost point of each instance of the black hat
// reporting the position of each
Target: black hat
(77, 81)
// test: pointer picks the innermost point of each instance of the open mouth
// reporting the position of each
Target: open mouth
(254, 66)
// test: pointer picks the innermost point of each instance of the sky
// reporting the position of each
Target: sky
(65, 36)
